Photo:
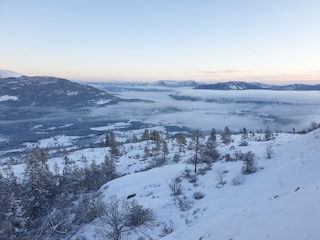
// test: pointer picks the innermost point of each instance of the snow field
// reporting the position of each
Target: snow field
(280, 201)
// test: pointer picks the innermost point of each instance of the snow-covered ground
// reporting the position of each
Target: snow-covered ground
(280, 201)
(266, 206)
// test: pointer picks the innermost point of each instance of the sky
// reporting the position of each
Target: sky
(149, 40)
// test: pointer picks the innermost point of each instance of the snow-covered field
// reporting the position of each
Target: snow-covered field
(279, 201)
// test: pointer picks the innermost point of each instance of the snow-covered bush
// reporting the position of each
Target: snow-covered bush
(221, 172)
(166, 229)
(227, 157)
(238, 155)
(203, 170)
(119, 216)
(250, 165)
(238, 180)
(183, 203)
(193, 178)
(176, 158)
(198, 195)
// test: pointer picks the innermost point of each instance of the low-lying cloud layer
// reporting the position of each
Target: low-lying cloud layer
(207, 109)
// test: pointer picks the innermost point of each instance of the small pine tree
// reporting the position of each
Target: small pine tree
(40, 185)
(268, 134)
(134, 139)
(226, 135)
(109, 168)
(145, 135)
(114, 149)
(209, 153)
(146, 152)
(196, 145)
(165, 150)
(249, 166)
(212, 140)
(155, 136)
(107, 141)
(182, 142)
(244, 137)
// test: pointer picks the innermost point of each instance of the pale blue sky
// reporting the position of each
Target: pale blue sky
(147, 40)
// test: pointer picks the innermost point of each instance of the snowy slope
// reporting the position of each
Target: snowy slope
(283, 200)
(280, 201)
(9, 74)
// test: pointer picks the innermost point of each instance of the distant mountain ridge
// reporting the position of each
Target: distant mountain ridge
(235, 85)
(50, 92)
(24, 98)
(174, 83)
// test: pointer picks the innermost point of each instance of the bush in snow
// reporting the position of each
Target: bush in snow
(249, 162)
(190, 176)
(227, 157)
(187, 173)
(183, 203)
(238, 155)
(166, 229)
(238, 180)
(202, 171)
(198, 195)
(175, 186)
(158, 161)
(119, 216)
(176, 158)
(221, 172)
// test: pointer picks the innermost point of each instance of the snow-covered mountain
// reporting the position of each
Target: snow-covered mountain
(258, 86)
(175, 84)
(9, 74)
(50, 92)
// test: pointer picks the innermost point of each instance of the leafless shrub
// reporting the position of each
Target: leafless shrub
(166, 229)
(183, 203)
(221, 172)
(119, 216)
(175, 186)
